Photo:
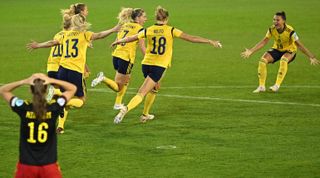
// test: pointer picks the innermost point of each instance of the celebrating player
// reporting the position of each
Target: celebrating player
(124, 55)
(73, 60)
(286, 42)
(56, 51)
(156, 60)
(38, 139)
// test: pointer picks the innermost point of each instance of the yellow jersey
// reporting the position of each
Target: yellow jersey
(127, 51)
(160, 44)
(284, 41)
(74, 53)
(55, 54)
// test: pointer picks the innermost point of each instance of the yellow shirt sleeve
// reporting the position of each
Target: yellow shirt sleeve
(268, 35)
(88, 35)
(142, 34)
(176, 32)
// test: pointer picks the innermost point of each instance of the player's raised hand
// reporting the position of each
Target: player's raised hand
(31, 46)
(216, 44)
(314, 61)
(246, 54)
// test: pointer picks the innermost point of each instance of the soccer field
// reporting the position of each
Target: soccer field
(208, 122)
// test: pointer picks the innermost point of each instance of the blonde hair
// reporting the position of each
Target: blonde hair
(67, 14)
(79, 23)
(124, 15)
(161, 14)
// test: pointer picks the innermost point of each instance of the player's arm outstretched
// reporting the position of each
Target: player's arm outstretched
(312, 57)
(197, 39)
(184, 36)
(35, 45)
(248, 52)
(103, 34)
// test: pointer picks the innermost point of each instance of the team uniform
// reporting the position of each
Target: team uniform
(283, 42)
(159, 49)
(54, 57)
(125, 53)
(38, 139)
(73, 60)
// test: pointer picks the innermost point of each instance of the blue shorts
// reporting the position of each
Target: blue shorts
(73, 77)
(277, 55)
(122, 66)
(53, 74)
(154, 72)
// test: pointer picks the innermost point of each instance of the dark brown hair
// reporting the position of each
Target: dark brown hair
(161, 14)
(39, 101)
(282, 14)
(78, 8)
(137, 12)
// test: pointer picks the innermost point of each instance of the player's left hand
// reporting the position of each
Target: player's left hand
(246, 54)
(314, 61)
(216, 44)
(31, 46)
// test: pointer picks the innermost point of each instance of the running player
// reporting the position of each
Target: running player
(157, 58)
(124, 55)
(72, 63)
(38, 139)
(286, 43)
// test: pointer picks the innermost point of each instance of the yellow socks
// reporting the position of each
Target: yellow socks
(62, 120)
(75, 102)
(111, 84)
(135, 101)
(120, 94)
(262, 73)
(148, 102)
(282, 71)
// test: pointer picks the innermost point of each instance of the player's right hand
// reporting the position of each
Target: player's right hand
(314, 61)
(246, 54)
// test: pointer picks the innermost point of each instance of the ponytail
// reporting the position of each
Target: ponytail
(125, 15)
(161, 14)
(68, 13)
(79, 23)
(39, 102)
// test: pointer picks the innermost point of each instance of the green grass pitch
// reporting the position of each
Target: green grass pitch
(205, 108)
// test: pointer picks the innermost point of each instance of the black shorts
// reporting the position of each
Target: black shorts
(53, 74)
(73, 77)
(154, 72)
(277, 55)
(122, 66)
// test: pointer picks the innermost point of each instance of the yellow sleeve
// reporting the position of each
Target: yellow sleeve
(59, 38)
(176, 32)
(142, 34)
(269, 35)
(88, 35)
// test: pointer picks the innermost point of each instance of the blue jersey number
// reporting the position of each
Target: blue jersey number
(74, 52)
(159, 48)
(125, 34)
(57, 51)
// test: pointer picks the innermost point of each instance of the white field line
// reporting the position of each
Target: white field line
(208, 98)
(231, 87)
